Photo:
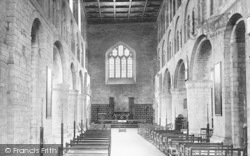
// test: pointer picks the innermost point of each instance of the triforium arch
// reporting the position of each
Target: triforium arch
(186, 25)
(169, 46)
(163, 53)
(36, 33)
(58, 63)
(167, 97)
(176, 35)
(235, 79)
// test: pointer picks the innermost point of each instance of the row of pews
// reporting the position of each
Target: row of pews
(90, 143)
(178, 143)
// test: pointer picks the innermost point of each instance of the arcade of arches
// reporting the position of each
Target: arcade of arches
(60, 71)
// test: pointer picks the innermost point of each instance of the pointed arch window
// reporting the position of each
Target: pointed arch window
(120, 65)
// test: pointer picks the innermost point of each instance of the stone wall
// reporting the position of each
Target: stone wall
(28, 32)
(142, 39)
(227, 47)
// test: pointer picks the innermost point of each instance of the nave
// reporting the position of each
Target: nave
(69, 64)
(130, 143)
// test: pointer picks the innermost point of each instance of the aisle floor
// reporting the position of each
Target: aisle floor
(130, 143)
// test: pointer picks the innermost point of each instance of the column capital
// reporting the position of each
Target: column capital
(73, 92)
(166, 95)
(199, 84)
(177, 90)
(61, 87)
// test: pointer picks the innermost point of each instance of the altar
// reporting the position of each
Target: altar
(122, 115)
(130, 123)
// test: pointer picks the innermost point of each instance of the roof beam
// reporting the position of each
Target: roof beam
(99, 9)
(144, 9)
(114, 9)
(129, 10)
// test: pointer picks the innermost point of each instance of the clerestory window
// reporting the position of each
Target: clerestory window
(120, 65)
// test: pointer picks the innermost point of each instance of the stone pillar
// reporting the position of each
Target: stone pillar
(80, 107)
(248, 82)
(35, 103)
(59, 110)
(178, 96)
(3, 104)
(85, 110)
(167, 109)
(156, 105)
(160, 110)
(88, 110)
(198, 103)
(72, 111)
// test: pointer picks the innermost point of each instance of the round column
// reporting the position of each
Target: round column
(59, 110)
(199, 102)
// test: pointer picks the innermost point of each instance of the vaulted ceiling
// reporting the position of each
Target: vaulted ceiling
(121, 11)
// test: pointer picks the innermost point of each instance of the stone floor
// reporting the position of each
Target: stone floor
(130, 143)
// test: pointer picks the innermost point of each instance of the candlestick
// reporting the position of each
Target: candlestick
(207, 115)
(42, 113)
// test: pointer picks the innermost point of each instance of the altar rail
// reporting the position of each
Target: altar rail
(105, 112)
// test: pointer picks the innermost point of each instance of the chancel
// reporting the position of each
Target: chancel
(125, 77)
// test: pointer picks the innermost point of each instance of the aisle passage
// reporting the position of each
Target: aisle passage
(130, 143)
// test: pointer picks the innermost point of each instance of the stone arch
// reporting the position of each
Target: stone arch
(185, 21)
(176, 35)
(235, 78)
(163, 53)
(36, 78)
(63, 21)
(169, 46)
(179, 92)
(78, 47)
(179, 78)
(35, 31)
(158, 59)
(58, 63)
(85, 87)
(72, 77)
(201, 60)
(73, 44)
(167, 82)
(81, 87)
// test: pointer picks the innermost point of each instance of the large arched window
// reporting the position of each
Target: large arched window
(120, 65)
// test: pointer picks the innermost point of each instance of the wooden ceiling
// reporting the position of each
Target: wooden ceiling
(121, 11)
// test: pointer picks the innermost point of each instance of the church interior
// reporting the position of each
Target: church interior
(125, 77)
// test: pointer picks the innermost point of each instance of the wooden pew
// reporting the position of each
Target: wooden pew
(90, 143)
(209, 149)
(166, 148)
(173, 143)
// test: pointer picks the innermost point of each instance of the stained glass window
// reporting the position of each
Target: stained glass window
(120, 62)
(111, 67)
